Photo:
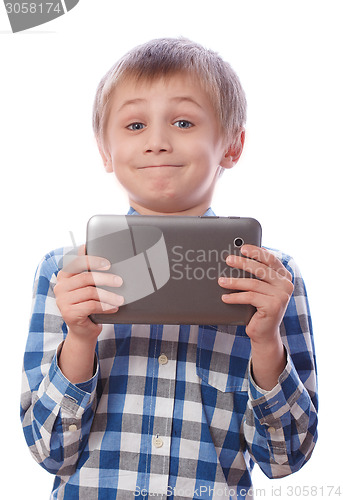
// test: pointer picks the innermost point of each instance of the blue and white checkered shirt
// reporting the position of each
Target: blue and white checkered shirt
(172, 411)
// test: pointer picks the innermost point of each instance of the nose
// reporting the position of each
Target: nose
(157, 140)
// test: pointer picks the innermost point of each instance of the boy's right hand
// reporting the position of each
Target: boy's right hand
(77, 295)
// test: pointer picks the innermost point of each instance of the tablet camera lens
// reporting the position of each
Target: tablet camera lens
(238, 242)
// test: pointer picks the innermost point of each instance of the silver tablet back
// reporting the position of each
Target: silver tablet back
(170, 266)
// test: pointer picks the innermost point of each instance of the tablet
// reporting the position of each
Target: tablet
(170, 266)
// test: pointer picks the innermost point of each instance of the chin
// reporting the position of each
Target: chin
(163, 205)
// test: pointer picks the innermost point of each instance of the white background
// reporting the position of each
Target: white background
(288, 55)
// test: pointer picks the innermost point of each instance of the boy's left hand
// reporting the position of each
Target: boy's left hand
(270, 294)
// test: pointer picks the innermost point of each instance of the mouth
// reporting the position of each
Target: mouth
(159, 166)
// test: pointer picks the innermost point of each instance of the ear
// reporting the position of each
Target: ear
(106, 158)
(233, 151)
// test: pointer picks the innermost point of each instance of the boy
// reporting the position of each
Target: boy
(162, 410)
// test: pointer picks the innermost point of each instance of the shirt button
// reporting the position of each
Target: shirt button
(73, 428)
(157, 442)
(271, 430)
(162, 359)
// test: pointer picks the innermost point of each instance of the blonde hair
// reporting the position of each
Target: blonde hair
(164, 57)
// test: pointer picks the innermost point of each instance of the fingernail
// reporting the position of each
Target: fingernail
(104, 264)
(222, 281)
(230, 259)
(117, 280)
(121, 300)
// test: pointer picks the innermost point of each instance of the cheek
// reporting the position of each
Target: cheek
(201, 147)
(203, 158)
(195, 151)
(121, 155)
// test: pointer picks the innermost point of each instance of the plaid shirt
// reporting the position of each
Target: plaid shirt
(171, 411)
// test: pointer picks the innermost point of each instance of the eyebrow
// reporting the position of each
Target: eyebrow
(187, 99)
(131, 101)
(175, 99)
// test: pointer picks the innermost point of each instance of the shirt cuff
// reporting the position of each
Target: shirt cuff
(73, 398)
(270, 406)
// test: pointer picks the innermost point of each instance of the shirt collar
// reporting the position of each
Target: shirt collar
(209, 212)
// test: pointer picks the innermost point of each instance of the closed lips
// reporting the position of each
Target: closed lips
(160, 166)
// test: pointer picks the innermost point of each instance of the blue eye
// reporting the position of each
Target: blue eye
(136, 126)
(183, 124)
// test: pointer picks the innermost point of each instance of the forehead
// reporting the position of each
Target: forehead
(174, 89)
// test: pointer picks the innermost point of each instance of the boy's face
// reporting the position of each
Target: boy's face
(164, 145)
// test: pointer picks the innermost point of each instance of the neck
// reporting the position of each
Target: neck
(197, 210)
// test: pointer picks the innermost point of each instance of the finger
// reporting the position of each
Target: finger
(274, 308)
(258, 269)
(95, 294)
(253, 267)
(77, 264)
(255, 299)
(85, 279)
(246, 284)
(84, 309)
(265, 257)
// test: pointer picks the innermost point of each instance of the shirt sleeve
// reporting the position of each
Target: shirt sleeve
(281, 425)
(56, 414)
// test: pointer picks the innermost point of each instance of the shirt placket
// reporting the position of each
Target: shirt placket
(160, 439)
